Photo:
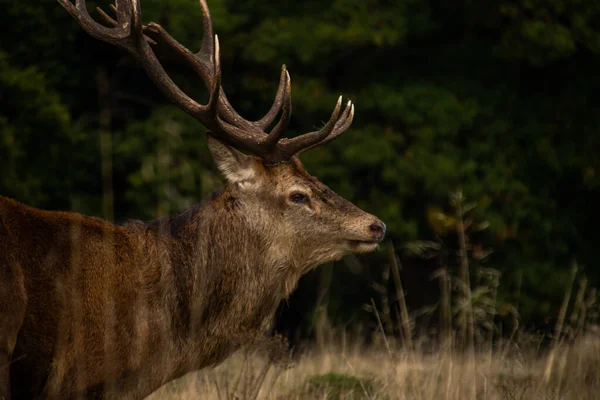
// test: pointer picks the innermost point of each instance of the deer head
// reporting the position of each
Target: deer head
(307, 223)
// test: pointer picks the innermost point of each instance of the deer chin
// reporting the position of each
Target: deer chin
(362, 246)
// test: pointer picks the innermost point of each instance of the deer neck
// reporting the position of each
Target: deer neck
(227, 289)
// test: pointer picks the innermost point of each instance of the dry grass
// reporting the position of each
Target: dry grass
(358, 372)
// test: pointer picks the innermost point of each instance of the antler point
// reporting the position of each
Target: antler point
(217, 49)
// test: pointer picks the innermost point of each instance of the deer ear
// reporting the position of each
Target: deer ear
(234, 165)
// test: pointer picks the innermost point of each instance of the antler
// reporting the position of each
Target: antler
(219, 117)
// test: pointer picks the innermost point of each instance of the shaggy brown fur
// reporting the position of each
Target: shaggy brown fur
(96, 310)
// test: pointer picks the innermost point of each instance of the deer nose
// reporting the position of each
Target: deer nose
(378, 230)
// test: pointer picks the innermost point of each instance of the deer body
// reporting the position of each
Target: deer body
(91, 309)
(132, 304)
(100, 309)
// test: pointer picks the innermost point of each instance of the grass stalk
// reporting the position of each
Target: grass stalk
(380, 325)
(404, 316)
(559, 325)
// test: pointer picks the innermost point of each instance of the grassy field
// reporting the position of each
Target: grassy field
(508, 371)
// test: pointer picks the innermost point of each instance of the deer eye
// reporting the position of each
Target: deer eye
(298, 197)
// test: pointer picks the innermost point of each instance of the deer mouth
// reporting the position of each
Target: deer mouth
(362, 246)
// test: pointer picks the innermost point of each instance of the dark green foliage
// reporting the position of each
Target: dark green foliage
(497, 98)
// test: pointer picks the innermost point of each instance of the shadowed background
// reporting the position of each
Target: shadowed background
(497, 100)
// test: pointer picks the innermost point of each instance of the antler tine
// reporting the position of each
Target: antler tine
(233, 117)
(203, 68)
(80, 13)
(286, 113)
(107, 18)
(340, 127)
(206, 49)
(269, 117)
(297, 144)
(241, 138)
(229, 113)
(215, 91)
(232, 134)
(136, 9)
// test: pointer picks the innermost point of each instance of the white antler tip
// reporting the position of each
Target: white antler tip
(217, 47)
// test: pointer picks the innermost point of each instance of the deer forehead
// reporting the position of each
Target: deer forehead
(291, 173)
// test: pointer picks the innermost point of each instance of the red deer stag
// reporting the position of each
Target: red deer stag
(90, 309)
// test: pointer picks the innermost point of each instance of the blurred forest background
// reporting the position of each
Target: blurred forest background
(496, 101)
